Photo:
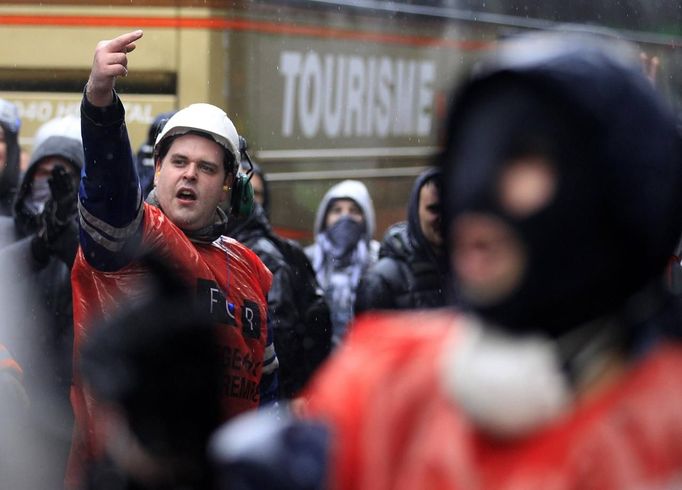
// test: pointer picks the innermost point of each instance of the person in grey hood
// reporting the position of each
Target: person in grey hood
(56, 151)
(10, 154)
(38, 309)
(410, 271)
(343, 248)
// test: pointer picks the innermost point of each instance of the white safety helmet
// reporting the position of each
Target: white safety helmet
(204, 118)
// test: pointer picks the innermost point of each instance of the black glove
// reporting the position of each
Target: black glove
(64, 202)
(58, 232)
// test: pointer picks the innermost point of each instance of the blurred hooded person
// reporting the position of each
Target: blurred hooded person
(261, 189)
(43, 238)
(10, 155)
(157, 380)
(38, 308)
(410, 273)
(561, 177)
(343, 248)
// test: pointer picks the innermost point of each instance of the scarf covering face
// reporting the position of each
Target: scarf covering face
(37, 196)
(207, 234)
(339, 278)
(343, 236)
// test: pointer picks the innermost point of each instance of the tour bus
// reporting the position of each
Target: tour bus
(322, 90)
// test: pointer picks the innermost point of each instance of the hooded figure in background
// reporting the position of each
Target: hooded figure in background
(145, 154)
(343, 248)
(561, 177)
(34, 191)
(38, 310)
(10, 155)
(410, 273)
(261, 189)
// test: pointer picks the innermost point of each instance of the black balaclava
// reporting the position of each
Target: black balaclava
(413, 223)
(615, 214)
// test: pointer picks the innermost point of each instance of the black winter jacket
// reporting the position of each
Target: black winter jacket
(405, 277)
(37, 315)
(39, 281)
(296, 362)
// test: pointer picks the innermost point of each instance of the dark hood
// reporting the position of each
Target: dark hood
(404, 240)
(413, 226)
(9, 178)
(266, 188)
(67, 148)
(617, 213)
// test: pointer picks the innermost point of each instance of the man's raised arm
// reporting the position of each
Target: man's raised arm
(110, 198)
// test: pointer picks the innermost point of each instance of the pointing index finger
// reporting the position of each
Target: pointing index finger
(125, 42)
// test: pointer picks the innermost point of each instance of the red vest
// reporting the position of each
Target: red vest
(231, 283)
(394, 427)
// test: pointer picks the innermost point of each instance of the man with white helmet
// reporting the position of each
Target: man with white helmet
(196, 161)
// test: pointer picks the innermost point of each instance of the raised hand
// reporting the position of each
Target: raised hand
(110, 61)
(58, 233)
(64, 196)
